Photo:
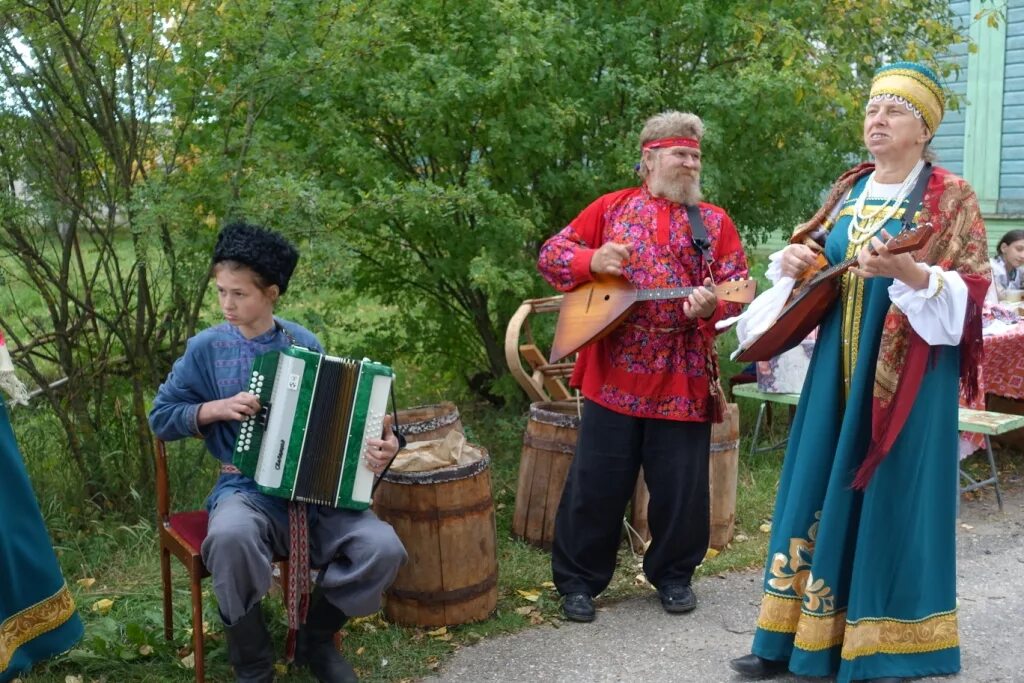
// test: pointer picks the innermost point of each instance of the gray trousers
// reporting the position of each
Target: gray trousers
(358, 555)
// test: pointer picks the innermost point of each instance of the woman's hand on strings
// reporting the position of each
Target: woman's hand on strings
(379, 452)
(875, 260)
(796, 258)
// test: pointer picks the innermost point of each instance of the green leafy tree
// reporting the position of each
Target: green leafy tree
(120, 151)
(449, 139)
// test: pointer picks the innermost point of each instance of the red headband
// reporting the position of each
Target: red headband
(672, 142)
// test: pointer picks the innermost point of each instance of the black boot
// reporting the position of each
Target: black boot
(752, 666)
(314, 645)
(250, 649)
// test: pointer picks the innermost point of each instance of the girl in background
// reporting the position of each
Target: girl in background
(1008, 265)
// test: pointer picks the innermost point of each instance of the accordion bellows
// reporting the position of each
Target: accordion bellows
(317, 412)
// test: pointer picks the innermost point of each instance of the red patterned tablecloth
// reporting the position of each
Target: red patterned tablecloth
(1003, 371)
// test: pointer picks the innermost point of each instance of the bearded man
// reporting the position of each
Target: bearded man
(650, 387)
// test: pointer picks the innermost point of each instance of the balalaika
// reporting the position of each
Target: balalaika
(308, 439)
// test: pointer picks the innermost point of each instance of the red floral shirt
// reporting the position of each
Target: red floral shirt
(657, 362)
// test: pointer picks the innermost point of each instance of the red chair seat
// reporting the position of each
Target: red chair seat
(182, 534)
(191, 526)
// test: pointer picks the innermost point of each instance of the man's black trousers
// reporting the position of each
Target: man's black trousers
(610, 449)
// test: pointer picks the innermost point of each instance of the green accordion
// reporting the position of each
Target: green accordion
(316, 414)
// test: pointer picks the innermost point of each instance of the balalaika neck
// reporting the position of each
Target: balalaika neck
(666, 293)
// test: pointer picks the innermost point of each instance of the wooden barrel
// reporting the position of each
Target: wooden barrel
(723, 471)
(725, 449)
(548, 447)
(445, 519)
(424, 423)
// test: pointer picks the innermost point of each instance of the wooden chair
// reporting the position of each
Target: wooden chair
(182, 534)
(543, 381)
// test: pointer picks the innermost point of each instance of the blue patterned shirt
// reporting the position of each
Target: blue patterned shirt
(216, 365)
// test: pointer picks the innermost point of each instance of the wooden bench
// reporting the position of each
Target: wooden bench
(984, 422)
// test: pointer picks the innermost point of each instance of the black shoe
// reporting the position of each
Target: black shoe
(314, 644)
(753, 666)
(887, 679)
(677, 598)
(578, 607)
(250, 649)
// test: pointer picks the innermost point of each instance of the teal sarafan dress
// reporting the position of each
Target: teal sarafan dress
(37, 613)
(862, 584)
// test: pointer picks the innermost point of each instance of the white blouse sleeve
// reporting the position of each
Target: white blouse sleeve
(936, 312)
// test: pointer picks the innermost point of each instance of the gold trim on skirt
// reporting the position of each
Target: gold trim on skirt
(862, 638)
(33, 621)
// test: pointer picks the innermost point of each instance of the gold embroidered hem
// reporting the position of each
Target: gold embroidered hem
(31, 622)
(779, 614)
(814, 632)
(867, 637)
(820, 632)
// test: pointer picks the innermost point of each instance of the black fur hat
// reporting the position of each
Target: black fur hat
(265, 251)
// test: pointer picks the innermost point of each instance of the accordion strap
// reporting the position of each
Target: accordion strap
(284, 330)
(298, 572)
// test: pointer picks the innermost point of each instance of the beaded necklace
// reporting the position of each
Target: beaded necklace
(864, 224)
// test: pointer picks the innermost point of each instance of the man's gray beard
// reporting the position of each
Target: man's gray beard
(686, 191)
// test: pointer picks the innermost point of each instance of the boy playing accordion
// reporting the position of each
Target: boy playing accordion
(205, 395)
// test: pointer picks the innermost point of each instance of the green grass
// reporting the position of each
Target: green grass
(114, 557)
(127, 643)
(121, 560)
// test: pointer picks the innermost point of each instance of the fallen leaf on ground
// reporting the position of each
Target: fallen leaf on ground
(438, 632)
(532, 596)
(765, 528)
(86, 583)
(641, 580)
(103, 605)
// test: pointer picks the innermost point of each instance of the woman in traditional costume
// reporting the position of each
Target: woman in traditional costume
(37, 613)
(860, 580)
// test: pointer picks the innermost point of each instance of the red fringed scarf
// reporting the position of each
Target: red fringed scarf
(886, 424)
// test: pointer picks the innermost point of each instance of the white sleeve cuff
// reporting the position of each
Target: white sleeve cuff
(936, 312)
